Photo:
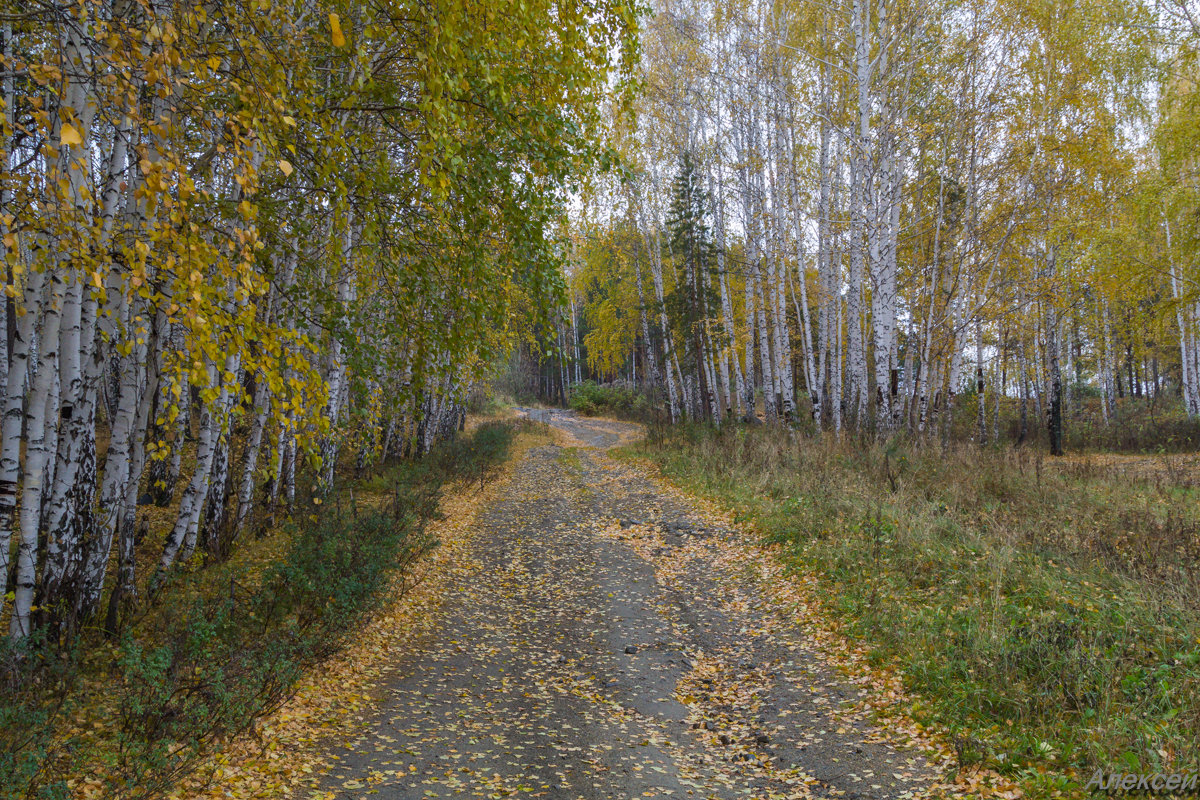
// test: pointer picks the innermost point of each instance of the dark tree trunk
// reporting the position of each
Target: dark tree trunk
(1134, 389)
(1055, 423)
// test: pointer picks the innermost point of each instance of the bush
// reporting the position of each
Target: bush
(483, 400)
(620, 400)
(36, 678)
(1138, 426)
(474, 458)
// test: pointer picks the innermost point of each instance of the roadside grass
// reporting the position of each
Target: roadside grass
(569, 458)
(225, 643)
(1044, 612)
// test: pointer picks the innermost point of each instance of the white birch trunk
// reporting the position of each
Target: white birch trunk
(575, 341)
(12, 426)
(37, 459)
(764, 344)
(664, 325)
(124, 515)
(1191, 392)
(651, 370)
(336, 376)
(181, 541)
(981, 415)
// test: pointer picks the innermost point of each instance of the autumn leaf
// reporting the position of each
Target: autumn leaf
(285, 167)
(70, 135)
(335, 31)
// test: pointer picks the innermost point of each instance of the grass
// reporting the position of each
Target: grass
(569, 457)
(1046, 612)
(1142, 425)
(225, 644)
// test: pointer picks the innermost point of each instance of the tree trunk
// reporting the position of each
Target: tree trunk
(1190, 381)
(37, 460)
(1054, 421)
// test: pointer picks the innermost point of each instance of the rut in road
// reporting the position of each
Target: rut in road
(599, 648)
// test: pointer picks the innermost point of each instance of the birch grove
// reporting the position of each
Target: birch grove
(246, 245)
(913, 213)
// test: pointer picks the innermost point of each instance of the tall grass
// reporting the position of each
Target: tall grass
(1046, 612)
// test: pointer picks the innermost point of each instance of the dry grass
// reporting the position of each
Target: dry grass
(1047, 611)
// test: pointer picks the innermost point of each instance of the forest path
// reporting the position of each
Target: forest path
(599, 647)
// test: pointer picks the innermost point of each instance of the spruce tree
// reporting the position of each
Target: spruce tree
(692, 248)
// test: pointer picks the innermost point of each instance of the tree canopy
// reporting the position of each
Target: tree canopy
(908, 203)
(283, 229)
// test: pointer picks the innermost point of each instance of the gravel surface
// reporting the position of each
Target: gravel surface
(599, 647)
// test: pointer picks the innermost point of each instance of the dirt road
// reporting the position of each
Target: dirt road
(599, 649)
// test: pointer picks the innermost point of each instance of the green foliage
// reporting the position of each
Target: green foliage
(688, 220)
(476, 457)
(465, 459)
(230, 659)
(1049, 630)
(484, 401)
(35, 681)
(615, 400)
(694, 299)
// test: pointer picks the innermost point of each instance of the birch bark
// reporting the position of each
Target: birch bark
(1183, 319)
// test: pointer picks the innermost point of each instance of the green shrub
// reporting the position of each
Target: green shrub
(618, 400)
(231, 659)
(35, 682)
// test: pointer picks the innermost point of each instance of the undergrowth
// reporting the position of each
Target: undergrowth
(128, 719)
(621, 400)
(1045, 612)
